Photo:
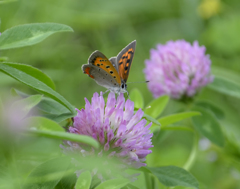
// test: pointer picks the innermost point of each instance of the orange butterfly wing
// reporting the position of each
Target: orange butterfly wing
(99, 60)
(124, 60)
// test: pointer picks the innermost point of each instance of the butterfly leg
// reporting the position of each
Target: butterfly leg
(128, 95)
(105, 92)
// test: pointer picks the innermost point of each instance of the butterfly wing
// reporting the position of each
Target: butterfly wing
(124, 60)
(113, 60)
(101, 61)
(101, 77)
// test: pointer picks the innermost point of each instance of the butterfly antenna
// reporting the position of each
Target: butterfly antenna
(139, 82)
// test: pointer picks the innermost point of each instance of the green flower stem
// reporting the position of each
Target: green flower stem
(193, 154)
(147, 179)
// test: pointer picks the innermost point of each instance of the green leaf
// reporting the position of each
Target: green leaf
(48, 174)
(29, 34)
(34, 80)
(69, 180)
(65, 136)
(212, 108)
(154, 129)
(225, 73)
(151, 119)
(17, 93)
(55, 110)
(177, 128)
(7, 1)
(14, 93)
(174, 176)
(167, 120)
(34, 72)
(27, 104)
(225, 86)
(137, 98)
(1, 106)
(130, 186)
(59, 118)
(113, 184)
(51, 106)
(155, 108)
(42, 123)
(84, 181)
(208, 126)
(3, 59)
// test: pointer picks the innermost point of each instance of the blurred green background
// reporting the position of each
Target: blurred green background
(109, 26)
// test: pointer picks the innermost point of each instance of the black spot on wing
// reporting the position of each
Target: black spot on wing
(130, 52)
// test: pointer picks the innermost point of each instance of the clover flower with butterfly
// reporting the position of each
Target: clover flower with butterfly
(122, 135)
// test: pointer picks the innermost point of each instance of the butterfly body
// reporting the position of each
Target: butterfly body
(111, 73)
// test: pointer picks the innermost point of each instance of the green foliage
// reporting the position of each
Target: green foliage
(51, 106)
(222, 32)
(84, 181)
(34, 79)
(29, 70)
(59, 118)
(65, 136)
(29, 34)
(151, 119)
(167, 120)
(177, 128)
(155, 107)
(68, 181)
(28, 103)
(225, 86)
(48, 174)
(137, 98)
(208, 126)
(174, 176)
(212, 108)
(113, 184)
(44, 124)
(6, 1)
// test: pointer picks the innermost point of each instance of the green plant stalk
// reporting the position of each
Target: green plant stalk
(147, 179)
(193, 155)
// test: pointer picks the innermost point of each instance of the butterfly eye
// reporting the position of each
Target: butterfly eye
(124, 86)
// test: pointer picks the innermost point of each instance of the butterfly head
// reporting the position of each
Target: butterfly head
(123, 87)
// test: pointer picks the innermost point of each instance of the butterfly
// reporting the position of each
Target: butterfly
(111, 73)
